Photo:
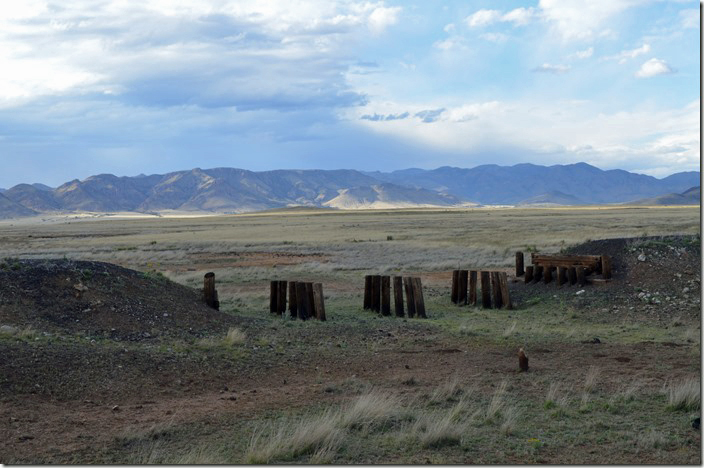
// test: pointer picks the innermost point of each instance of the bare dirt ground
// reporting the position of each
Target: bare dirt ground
(96, 353)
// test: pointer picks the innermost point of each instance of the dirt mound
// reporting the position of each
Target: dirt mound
(654, 278)
(102, 300)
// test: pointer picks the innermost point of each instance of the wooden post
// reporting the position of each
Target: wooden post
(398, 296)
(503, 284)
(606, 267)
(572, 275)
(292, 302)
(547, 274)
(302, 300)
(210, 295)
(367, 292)
(385, 295)
(319, 301)
(311, 299)
(376, 293)
(473, 287)
(529, 274)
(537, 273)
(496, 289)
(282, 297)
(581, 277)
(519, 264)
(408, 286)
(561, 275)
(274, 297)
(418, 297)
(486, 290)
(462, 295)
(455, 286)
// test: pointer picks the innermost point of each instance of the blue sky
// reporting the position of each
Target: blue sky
(151, 87)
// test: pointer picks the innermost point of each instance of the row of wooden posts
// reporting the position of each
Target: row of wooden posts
(305, 299)
(569, 269)
(493, 286)
(377, 295)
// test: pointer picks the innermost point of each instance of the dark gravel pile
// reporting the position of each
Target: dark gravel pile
(102, 300)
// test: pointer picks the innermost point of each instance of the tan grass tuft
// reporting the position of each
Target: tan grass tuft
(685, 395)
(497, 401)
(591, 378)
(235, 336)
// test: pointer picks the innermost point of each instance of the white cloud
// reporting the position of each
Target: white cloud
(483, 18)
(654, 67)
(499, 38)
(549, 68)
(690, 18)
(449, 28)
(579, 20)
(519, 16)
(451, 43)
(383, 17)
(646, 138)
(633, 53)
(583, 54)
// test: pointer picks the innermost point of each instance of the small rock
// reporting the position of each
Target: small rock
(80, 287)
(641, 295)
(685, 290)
(9, 329)
(116, 408)
(581, 291)
(596, 340)
(233, 398)
(641, 257)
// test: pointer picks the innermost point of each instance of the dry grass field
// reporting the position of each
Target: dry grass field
(362, 388)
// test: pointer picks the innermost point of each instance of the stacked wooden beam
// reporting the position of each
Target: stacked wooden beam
(492, 284)
(305, 299)
(377, 295)
(566, 269)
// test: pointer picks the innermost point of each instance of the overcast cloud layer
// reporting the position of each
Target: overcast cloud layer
(152, 87)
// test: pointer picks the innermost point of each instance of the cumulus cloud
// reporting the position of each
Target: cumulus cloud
(625, 55)
(580, 20)
(482, 18)
(557, 69)
(654, 67)
(519, 17)
(381, 117)
(689, 18)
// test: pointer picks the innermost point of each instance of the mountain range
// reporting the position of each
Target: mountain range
(229, 190)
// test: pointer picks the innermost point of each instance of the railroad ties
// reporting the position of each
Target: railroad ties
(377, 295)
(305, 299)
(493, 287)
(567, 270)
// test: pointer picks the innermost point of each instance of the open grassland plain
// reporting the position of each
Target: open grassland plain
(102, 364)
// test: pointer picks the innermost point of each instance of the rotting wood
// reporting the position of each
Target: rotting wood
(302, 300)
(486, 289)
(398, 295)
(519, 264)
(367, 292)
(210, 294)
(311, 299)
(385, 295)
(473, 287)
(561, 275)
(505, 297)
(572, 275)
(592, 261)
(537, 273)
(462, 294)
(522, 360)
(547, 274)
(581, 276)
(274, 296)
(529, 274)
(292, 302)
(606, 267)
(418, 297)
(455, 286)
(281, 305)
(410, 301)
(496, 290)
(376, 293)
(319, 301)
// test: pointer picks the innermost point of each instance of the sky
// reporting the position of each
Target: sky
(128, 87)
